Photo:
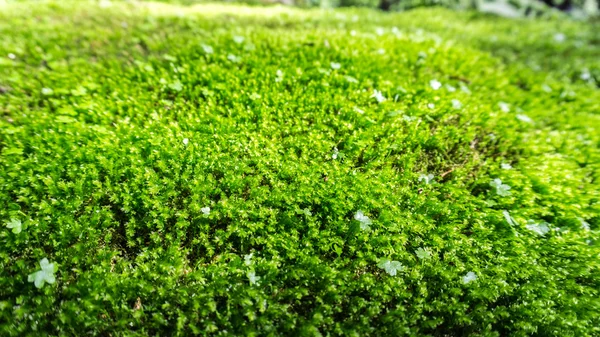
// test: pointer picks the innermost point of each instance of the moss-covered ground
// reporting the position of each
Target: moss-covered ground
(232, 170)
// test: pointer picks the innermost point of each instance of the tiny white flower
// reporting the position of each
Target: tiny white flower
(428, 179)
(47, 91)
(505, 107)
(335, 66)
(435, 84)
(238, 39)
(248, 259)
(524, 118)
(207, 49)
(381, 51)
(539, 228)
(12, 56)
(364, 220)
(470, 277)
(379, 31)
(185, 141)
(205, 210)
(352, 33)
(335, 153)
(505, 166)
(378, 96)
(559, 37)
(456, 104)
(501, 189)
(431, 106)
(450, 88)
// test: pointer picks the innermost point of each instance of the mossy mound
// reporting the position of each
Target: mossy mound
(231, 170)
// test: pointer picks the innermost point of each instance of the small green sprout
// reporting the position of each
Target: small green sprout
(456, 104)
(46, 274)
(470, 277)
(435, 84)
(233, 58)
(176, 86)
(428, 179)
(584, 224)
(423, 254)
(364, 220)
(509, 219)
(248, 259)
(505, 107)
(16, 225)
(502, 190)
(390, 267)
(207, 49)
(378, 96)
(252, 278)
(525, 118)
(538, 228)
(335, 153)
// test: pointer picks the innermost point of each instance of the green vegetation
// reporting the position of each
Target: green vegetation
(230, 170)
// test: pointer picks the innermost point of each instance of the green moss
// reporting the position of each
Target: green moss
(121, 125)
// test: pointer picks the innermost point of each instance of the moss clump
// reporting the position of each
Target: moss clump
(228, 170)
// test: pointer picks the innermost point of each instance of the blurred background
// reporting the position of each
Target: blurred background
(579, 9)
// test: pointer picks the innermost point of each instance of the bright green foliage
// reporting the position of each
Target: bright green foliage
(199, 170)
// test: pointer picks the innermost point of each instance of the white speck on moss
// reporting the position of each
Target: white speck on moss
(470, 277)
